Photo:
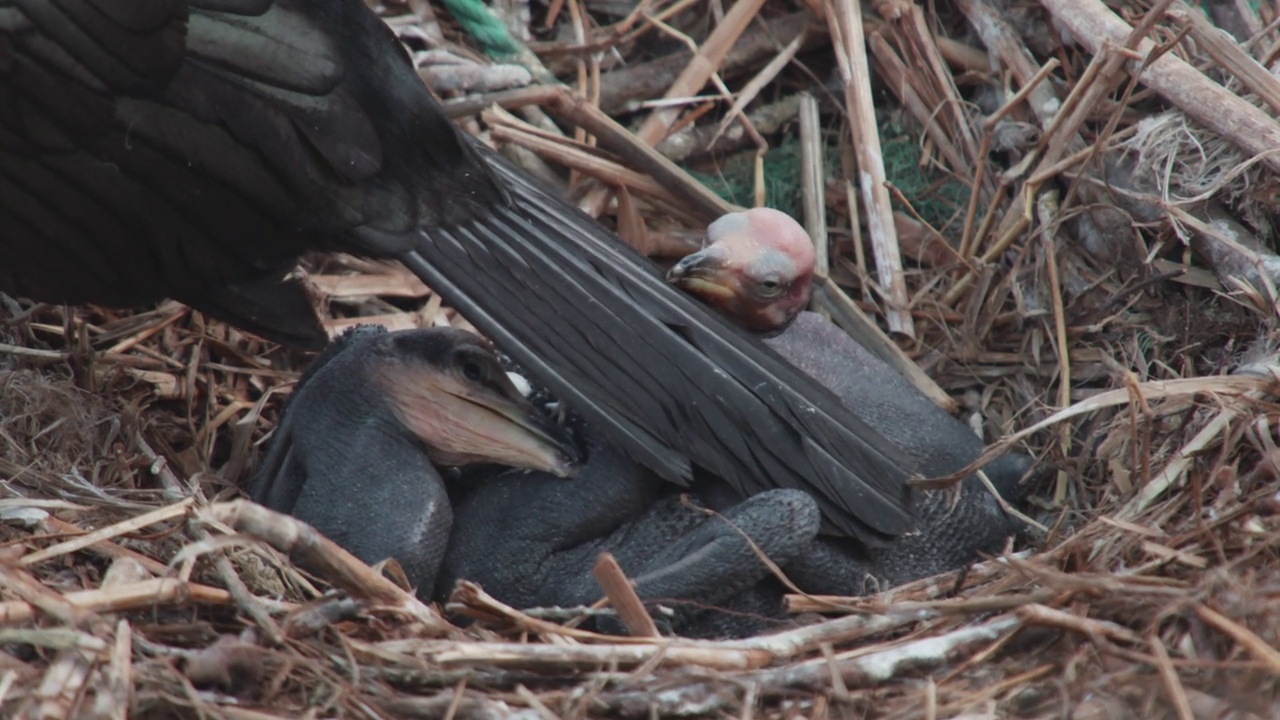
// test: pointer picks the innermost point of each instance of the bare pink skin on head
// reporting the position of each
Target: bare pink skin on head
(755, 267)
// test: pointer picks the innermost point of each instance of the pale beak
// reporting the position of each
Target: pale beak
(461, 422)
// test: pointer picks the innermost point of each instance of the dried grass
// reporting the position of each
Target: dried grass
(1067, 315)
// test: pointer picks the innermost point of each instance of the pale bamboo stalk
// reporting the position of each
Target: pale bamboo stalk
(813, 183)
(156, 592)
(851, 56)
(133, 524)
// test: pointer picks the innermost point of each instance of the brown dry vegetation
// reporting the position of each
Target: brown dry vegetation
(1105, 299)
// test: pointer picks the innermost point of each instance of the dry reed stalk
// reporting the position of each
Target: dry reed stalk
(626, 145)
(309, 548)
(923, 72)
(754, 86)
(700, 68)
(1092, 24)
(1156, 389)
(114, 693)
(576, 156)
(851, 57)
(900, 81)
(153, 593)
(621, 87)
(1047, 211)
(813, 184)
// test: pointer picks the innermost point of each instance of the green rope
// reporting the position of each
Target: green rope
(484, 26)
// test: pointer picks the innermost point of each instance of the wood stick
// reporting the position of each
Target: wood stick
(813, 184)
(622, 596)
(872, 668)
(704, 63)
(702, 66)
(133, 524)
(1037, 614)
(1228, 53)
(156, 592)
(470, 596)
(590, 657)
(1254, 645)
(1092, 24)
(36, 596)
(308, 548)
(621, 87)
(620, 141)
(851, 56)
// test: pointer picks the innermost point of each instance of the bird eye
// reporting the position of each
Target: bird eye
(472, 371)
(769, 287)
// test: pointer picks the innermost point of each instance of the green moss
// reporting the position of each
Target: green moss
(736, 180)
(936, 197)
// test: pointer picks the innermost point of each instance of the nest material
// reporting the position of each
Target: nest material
(1140, 370)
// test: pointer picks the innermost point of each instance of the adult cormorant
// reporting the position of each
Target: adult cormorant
(756, 269)
(195, 149)
(356, 451)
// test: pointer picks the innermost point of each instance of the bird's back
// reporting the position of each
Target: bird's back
(172, 148)
(195, 149)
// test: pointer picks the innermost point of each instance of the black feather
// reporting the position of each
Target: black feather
(171, 149)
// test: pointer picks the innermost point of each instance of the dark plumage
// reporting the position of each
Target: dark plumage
(531, 539)
(952, 530)
(552, 529)
(355, 453)
(195, 148)
(756, 268)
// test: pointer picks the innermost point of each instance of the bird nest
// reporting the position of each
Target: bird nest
(1082, 262)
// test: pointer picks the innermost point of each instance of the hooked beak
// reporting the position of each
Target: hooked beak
(462, 423)
(532, 429)
(706, 274)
